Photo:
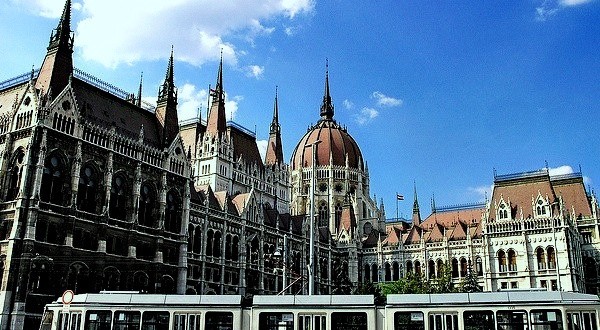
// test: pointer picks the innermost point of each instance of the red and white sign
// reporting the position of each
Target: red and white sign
(67, 297)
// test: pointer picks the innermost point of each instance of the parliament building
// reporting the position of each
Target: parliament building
(100, 190)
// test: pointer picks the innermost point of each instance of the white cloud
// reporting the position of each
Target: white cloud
(366, 115)
(561, 170)
(231, 106)
(482, 192)
(348, 104)
(549, 8)
(386, 101)
(567, 3)
(262, 147)
(255, 71)
(116, 32)
(190, 100)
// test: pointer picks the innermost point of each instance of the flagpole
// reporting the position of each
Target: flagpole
(396, 205)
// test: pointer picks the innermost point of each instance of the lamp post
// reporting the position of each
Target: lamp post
(282, 255)
(311, 266)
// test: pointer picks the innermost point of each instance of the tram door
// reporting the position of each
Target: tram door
(69, 321)
(312, 322)
(443, 321)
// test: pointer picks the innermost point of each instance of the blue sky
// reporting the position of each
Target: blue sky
(437, 93)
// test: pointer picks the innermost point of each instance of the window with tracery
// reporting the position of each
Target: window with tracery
(512, 260)
(15, 173)
(338, 214)
(551, 258)
(541, 258)
(146, 205)
(118, 198)
(323, 214)
(53, 179)
(502, 262)
(173, 212)
(86, 192)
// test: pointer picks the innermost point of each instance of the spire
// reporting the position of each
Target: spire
(216, 122)
(416, 216)
(327, 106)
(433, 204)
(274, 147)
(58, 63)
(166, 106)
(139, 96)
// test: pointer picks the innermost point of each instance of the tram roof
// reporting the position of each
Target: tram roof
(315, 300)
(492, 297)
(154, 299)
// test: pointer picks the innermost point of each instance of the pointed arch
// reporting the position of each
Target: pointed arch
(464, 266)
(119, 191)
(502, 262)
(454, 268)
(147, 204)
(54, 177)
(15, 174)
(88, 188)
(541, 257)
(395, 271)
(551, 257)
(173, 211)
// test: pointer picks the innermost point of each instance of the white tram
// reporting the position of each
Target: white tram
(508, 310)
(460, 311)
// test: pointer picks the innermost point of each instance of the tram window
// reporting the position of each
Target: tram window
(589, 321)
(47, 319)
(585, 321)
(276, 321)
(126, 320)
(155, 321)
(179, 321)
(195, 322)
(409, 321)
(218, 321)
(312, 322)
(75, 321)
(479, 320)
(98, 320)
(512, 320)
(443, 321)
(546, 320)
(349, 320)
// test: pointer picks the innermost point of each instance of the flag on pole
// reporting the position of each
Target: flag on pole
(399, 197)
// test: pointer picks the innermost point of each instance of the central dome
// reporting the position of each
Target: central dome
(336, 144)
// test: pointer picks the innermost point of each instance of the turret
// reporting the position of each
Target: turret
(57, 67)
(274, 153)
(216, 122)
(166, 106)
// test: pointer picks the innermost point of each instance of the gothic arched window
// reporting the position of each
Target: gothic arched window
(87, 188)
(338, 215)
(541, 257)
(78, 277)
(396, 271)
(388, 272)
(479, 266)
(15, 173)
(418, 267)
(146, 205)
(454, 268)
(374, 273)
(367, 272)
(431, 268)
(118, 198)
(512, 260)
(323, 214)
(173, 212)
(502, 261)
(409, 266)
(111, 278)
(53, 179)
(464, 265)
(235, 248)
(551, 258)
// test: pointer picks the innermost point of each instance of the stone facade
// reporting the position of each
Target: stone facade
(101, 191)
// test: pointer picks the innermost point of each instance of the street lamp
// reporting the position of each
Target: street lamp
(311, 266)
